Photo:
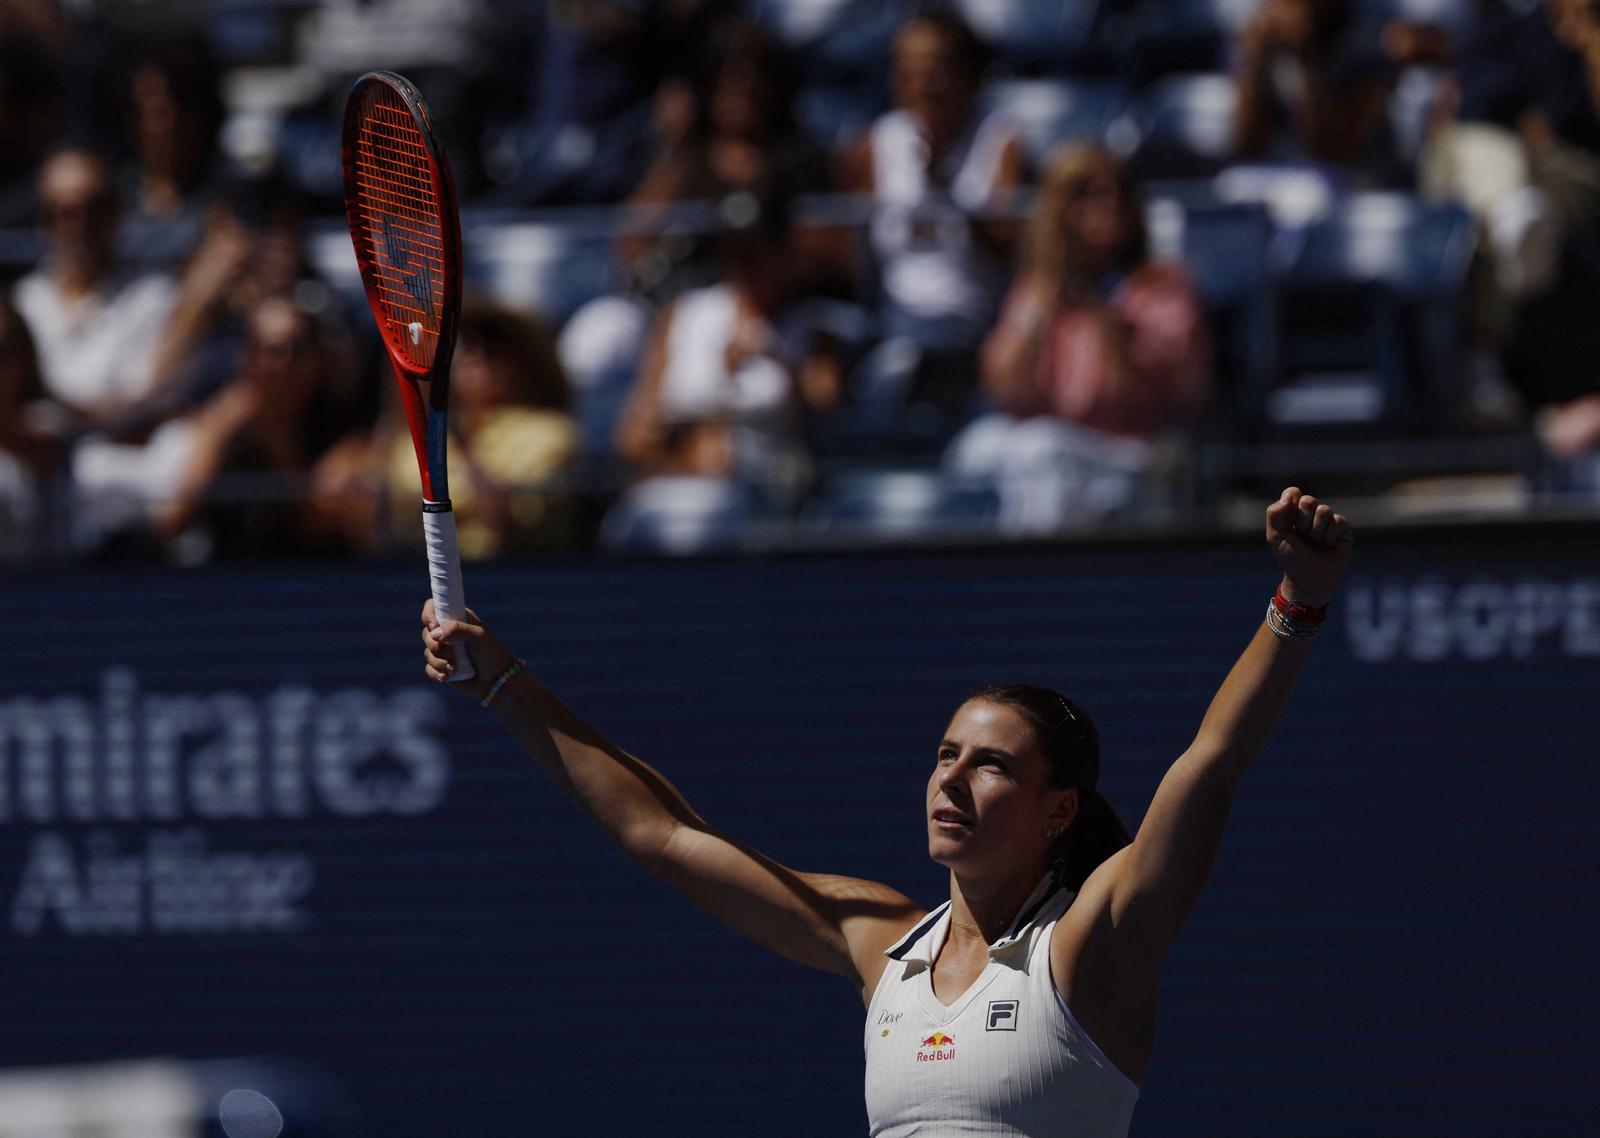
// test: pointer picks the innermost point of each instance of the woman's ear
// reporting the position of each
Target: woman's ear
(1066, 810)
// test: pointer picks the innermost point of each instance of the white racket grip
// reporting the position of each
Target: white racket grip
(444, 576)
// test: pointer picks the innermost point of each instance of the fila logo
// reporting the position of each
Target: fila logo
(1002, 1015)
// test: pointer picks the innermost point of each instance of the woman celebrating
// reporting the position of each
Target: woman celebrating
(1025, 1004)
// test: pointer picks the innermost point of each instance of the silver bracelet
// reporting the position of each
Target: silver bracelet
(500, 682)
(1288, 629)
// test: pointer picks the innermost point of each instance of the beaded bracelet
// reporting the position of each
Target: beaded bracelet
(1288, 627)
(500, 681)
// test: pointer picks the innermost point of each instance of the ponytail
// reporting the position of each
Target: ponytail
(1095, 834)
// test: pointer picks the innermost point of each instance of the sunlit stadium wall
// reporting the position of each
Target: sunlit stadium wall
(239, 825)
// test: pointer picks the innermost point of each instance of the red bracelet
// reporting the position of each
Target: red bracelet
(1293, 610)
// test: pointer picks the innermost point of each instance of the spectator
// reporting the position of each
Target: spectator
(934, 166)
(249, 450)
(1098, 352)
(1516, 141)
(730, 369)
(174, 112)
(252, 248)
(1314, 85)
(97, 321)
(33, 49)
(30, 443)
(512, 442)
(608, 72)
(743, 136)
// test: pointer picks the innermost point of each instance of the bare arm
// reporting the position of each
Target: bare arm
(1160, 876)
(837, 924)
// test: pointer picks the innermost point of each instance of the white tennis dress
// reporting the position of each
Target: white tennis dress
(1006, 1058)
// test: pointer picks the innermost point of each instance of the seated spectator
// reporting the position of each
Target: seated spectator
(173, 109)
(97, 322)
(743, 136)
(1516, 141)
(30, 441)
(1099, 351)
(512, 441)
(33, 78)
(1314, 85)
(730, 370)
(252, 248)
(247, 453)
(933, 166)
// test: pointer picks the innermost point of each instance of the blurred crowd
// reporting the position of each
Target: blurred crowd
(866, 263)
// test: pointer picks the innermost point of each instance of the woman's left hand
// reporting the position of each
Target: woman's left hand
(1312, 545)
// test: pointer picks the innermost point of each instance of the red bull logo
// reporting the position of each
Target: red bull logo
(937, 1048)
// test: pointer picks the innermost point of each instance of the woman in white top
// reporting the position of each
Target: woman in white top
(1025, 1005)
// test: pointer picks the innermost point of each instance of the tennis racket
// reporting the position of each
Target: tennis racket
(400, 202)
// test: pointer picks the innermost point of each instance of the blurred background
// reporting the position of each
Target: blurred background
(793, 327)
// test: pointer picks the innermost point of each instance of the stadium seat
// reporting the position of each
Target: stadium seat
(1028, 35)
(678, 515)
(1372, 335)
(1228, 251)
(1183, 126)
(834, 116)
(904, 503)
(539, 266)
(1451, 15)
(1048, 112)
(834, 39)
(1187, 35)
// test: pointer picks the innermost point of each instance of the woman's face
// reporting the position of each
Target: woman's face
(282, 356)
(929, 80)
(1092, 215)
(989, 798)
(482, 375)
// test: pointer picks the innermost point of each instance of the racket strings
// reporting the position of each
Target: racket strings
(401, 228)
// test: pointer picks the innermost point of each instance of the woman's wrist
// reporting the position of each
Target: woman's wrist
(1289, 618)
(1300, 594)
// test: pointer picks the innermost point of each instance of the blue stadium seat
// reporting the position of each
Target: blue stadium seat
(834, 116)
(1029, 34)
(1451, 15)
(904, 503)
(1188, 35)
(1372, 336)
(834, 39)
(1228, 250)
(1184, 125)
(543, 267)
(678, 515)
(1048, 112)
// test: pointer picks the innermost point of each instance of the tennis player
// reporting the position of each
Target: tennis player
(1026, 1003)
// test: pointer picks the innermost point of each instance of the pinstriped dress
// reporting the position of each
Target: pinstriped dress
(1007, 1058)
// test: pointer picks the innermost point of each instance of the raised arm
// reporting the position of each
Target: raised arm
(838, 924)
(1155, 882)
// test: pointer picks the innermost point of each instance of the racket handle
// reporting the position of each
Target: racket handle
(444, 575)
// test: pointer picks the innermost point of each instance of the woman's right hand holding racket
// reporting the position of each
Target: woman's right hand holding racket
(489, 657)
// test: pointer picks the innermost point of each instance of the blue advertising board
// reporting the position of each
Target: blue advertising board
(237, 822)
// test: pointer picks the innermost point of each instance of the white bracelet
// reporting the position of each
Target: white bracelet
(1288, 629)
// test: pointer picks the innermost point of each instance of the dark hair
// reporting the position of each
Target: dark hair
(969, 51)
(527, 342)
(1071, 746)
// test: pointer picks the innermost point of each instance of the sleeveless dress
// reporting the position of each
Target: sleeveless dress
(1007, 1058)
